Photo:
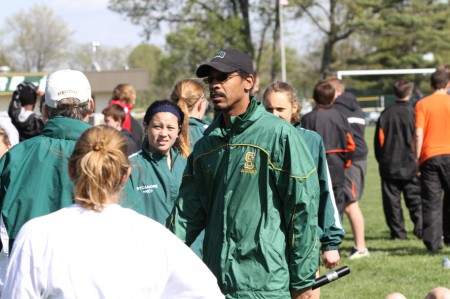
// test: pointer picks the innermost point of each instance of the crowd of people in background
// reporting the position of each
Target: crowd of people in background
(259, 194)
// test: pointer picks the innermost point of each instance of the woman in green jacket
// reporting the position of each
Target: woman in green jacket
(189, 94)
(281, 100)
(158, 167)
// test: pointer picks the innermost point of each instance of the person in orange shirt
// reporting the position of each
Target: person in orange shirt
(433, 152)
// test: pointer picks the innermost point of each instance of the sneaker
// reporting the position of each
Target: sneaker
(355, 254)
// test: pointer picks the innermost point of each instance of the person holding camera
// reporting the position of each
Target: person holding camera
(21, 111)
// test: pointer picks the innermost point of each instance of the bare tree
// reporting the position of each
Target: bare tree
(335, 19)
(36, 39)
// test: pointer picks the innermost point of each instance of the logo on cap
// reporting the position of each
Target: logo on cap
(67, 92)
(220, 54)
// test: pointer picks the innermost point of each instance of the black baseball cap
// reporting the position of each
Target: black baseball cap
(227, 61)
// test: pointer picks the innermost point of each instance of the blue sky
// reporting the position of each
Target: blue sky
(82, 16)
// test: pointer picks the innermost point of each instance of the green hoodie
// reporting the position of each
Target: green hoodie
(254, 189)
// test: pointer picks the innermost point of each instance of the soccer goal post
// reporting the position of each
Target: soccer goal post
(340, 74)
(375, 110)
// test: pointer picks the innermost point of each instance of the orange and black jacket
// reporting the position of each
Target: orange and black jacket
(334, 129)
(346, 104)
(394, 142)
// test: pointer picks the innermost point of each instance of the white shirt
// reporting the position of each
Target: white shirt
(115, 253)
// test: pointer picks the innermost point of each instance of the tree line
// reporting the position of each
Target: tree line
(348, 34)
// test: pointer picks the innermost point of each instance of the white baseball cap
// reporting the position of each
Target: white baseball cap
(65, 84)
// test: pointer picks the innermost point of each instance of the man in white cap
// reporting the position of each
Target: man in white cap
(33, 175)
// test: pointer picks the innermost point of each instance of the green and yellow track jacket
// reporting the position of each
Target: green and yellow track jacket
(254, 188)
(155, 185)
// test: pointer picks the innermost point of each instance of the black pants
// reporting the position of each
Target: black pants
(391, 191)
(435, 179)
(339, 197)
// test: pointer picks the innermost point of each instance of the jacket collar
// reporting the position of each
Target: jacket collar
(196, 121)
(65, 128)
(319, 106)
(157, 156)
(402, 102)
(238, 123)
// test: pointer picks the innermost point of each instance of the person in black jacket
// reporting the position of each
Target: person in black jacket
(395, 153)
(21, 111)
(332, 126)
(355, 175)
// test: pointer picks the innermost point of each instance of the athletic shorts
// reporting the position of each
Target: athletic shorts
(354, 180)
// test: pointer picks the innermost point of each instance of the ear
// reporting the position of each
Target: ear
(295, 107)
(410, 94)
(119, 125)
(200, 103)
(248, 82)
(91, 106)
(125, 176)
(336, 94)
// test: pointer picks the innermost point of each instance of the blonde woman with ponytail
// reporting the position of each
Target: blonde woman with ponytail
(97, 249)
(189, 94)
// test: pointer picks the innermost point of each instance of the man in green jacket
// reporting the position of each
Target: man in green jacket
(33, 175)
(251, 183)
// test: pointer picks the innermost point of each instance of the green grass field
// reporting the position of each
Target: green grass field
(394, 265)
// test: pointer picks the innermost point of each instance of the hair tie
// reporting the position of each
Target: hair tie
(99, 146)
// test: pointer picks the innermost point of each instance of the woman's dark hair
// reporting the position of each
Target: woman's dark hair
(164, 106)
(169, 106)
